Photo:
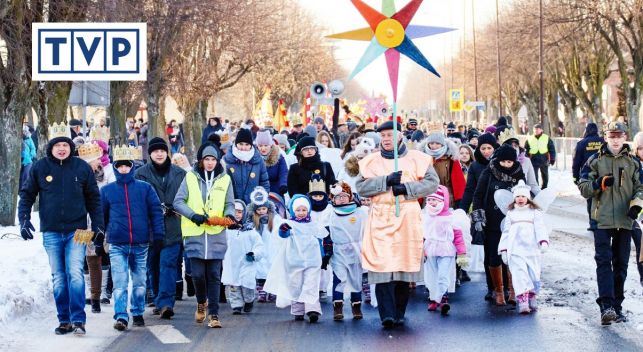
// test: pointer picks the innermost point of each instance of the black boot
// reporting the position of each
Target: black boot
(95, 306)
(178, 295)
(608, 313)
(190, 286)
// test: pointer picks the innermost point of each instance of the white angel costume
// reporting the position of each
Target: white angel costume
(346, 230)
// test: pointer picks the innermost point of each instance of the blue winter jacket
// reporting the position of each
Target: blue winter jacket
(132, 211)
(585, 148)
(28, 151)
(277, 171)
(246, 175)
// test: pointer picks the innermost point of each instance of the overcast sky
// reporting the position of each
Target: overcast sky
(341, 15)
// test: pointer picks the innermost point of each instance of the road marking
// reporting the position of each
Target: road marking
(167, 334)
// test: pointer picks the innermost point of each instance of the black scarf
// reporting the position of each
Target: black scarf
(388, 154)
(164, 168)
(311, 163)
(512, 174)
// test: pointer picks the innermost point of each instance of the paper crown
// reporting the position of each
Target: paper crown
(316, 184)
(224, 135)
(507, 134)
(434, 127)
(369, 124)
(99, 134)
(90, 152)
(128, 153)
(259, 196)
(296, 120)
(57, 130)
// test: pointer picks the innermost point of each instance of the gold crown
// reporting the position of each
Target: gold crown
(224, 135)
(318, 185)
(295, 119)
(127, 152)
(99, 134)
(90, 152)
(508, 133)
(434, 127)
(59, 130)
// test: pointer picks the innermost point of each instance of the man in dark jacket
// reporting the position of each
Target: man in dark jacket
(585, 148)
(132, 212)
(67, 189)
(611, 179)
(214, 125)
(166, 179)
(542, 152)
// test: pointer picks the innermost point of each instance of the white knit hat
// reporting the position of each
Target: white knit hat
(521, 189)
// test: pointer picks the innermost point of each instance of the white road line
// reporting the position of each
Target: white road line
(167, 334)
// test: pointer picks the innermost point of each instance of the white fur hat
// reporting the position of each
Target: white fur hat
(521, 189)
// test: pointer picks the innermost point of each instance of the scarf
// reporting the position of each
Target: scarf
(312, 163)
(319, 205)
(303, 220)
(511, 175)
(436, 154)
(162, 169)
(345, 209)
(388, 154)
(243, 155)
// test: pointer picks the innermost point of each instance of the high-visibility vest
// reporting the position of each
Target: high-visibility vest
(214, 206)
(538, 145)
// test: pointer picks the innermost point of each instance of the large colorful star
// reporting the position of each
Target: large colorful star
(390, 34)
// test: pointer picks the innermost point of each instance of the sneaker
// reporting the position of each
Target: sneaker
(104, 301)
(138, 320)
(338, 310)
(433, 306)
(523, 303)
(214, 322)
(63, 328)
(95, 306)
(620, 317)
(167, 313)
(356, 308)
(608, 315)
(199, 315)
(533, 304)
(313, 316)
(156, 311)
(236, 311)
(299, 317)
(247, 308)
(388, 322)
(79, 329)
(120, 325)
(444, 305)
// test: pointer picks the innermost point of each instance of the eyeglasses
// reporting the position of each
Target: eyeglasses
(342, 196)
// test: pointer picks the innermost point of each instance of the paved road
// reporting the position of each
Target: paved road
(473, 325)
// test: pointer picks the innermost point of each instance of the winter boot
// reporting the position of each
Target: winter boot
(433, 306)
(608, 313)
(313, 317)
(271, 297)
(444, 305)
(167, 313)
(512, 294)
(95, 306)
(523, 303)
(620, 317)
(88, 285)
(213, 322)
(465, 276)
(190, 286)
(104, 296)
(247, 307)
(79, 329)
(496, 277)
(138, 320)
(120, 325)
(533, 304)
(199, 315)
(338, 310)
(178, 295)
(356, 308)
(299, 317)
(63, 328)
(261, 294)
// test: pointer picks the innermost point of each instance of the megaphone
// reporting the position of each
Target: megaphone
(384, 111)
(318, 90)
(336, 88)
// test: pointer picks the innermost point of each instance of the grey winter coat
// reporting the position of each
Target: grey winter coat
(166, 188)
(204, 246)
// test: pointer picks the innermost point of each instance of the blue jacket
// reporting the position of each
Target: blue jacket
(28, 151)
(132, 210)
(246, 175)
(277, 171)
(585, 148)
(67, 191)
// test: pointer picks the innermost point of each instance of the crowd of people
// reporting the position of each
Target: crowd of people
(283, 216)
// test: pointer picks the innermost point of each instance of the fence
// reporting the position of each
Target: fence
(565, 147)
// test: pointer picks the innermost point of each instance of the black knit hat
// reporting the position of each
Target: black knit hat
(487, 138)
(157, 143)
(306, 141)
(506, 152)
(243, 136)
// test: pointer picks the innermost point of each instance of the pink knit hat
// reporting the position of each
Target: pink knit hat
(264, 138)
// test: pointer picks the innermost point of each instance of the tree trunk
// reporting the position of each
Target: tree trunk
(153, 99)
(10, 149)
(633, 107)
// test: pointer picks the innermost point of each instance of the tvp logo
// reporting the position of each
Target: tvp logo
(89, 51)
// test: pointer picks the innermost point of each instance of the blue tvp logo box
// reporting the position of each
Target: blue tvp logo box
(89, 52)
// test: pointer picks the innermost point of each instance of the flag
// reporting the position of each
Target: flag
(279, 121)
(307, 113)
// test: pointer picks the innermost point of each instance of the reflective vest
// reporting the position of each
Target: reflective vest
(214, 206)
(538, 145)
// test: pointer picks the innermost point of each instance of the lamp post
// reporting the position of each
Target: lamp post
(498, 61)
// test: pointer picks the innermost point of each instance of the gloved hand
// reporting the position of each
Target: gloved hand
(231, 217)
(325, 261)
(168, 209)
(505, 259)
(478, 226)
(25, 230)
(284, 230)
(603, 182)
(157, 246)
(98, 241)
(552, 162)
(399, 190)
(394, 179)
(283, 189)
(462, 261)
(543, 246)
(634, 212)
(199, 219)
(250, 256)
(100, 251)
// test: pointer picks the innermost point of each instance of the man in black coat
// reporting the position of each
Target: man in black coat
(585, 148)
(68, 191)
(166, 179)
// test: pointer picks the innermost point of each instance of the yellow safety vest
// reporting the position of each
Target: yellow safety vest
(538, 145)
(214, 205)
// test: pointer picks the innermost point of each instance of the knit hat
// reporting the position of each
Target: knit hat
(436, 137)
(239, 205)
(318, 120)
(413, 121)
(305, 142)
(281, 139)
(487, 138)
(259, 196)
(521, 189)
(263, 138)
(506, 153)
(157, 143)
(341, 187)
(243, 136)
(490, 129)
(210, 150)
(311, 131)
(439, 194)
(75, 122)
(297, 201)
(451, 126)
(442, 195)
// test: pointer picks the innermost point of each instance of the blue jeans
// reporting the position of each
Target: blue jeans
(128, 259)
(164, 277)
(339, 296)
(66, 259)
